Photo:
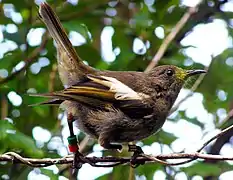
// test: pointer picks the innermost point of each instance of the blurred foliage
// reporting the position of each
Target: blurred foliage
(21, 32)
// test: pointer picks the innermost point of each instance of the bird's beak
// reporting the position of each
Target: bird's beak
(194, 72)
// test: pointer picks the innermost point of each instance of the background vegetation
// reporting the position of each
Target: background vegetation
(135, 29)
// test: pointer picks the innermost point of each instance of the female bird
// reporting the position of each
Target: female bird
(114, 107)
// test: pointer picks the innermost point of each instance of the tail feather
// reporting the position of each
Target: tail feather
(56, 30)
(70, 66)
(51, 102)
(58, 97)
(54, 100)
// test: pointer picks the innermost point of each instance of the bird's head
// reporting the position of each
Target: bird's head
(172, 74)
(171, 78)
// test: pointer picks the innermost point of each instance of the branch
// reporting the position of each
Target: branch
(218, 144)
(115, 161)
(226, 119)
(4, 106)
(170, 38)
(109, 161)
(28, 61)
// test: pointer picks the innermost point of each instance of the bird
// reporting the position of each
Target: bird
(114, 107)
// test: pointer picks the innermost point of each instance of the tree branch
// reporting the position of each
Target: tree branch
(170, 37)
(109, 161)
(180, 24)
(115, 161)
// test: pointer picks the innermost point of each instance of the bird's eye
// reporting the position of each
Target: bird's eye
(169, 72)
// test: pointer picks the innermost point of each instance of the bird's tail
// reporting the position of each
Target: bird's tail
(56, 98)
(53, 100)
(70, 66)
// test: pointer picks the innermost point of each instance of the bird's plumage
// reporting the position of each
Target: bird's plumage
(109, 99)
(70, 66)
(111, 106)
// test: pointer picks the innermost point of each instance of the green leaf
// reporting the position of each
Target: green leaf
(81, 28)
(206, 169)
(161, 137)
(148, 170)
(50, 174)
(15, 140)
(4, 126)
(216, 80)
(119, 172)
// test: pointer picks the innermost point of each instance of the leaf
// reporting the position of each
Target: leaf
(119, 172)
(49, 173)
(216, 80)
(148, 170)
(11, 59)
(206, 169)
(124, 42)
(88, 53)
(81, 28)
(161, 137)
(4, 126)
(13, 139)
(18, 37)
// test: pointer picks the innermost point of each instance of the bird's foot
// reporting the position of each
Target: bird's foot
(107, 145)
(137, 151)
(117, 147)
(77, 161)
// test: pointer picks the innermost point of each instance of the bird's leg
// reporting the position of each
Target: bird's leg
(137, 151)
(112, 146)
(70, 120)
(107, 145)
(73, 143)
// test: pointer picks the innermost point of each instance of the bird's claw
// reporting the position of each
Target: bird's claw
(137, 151)
(78, 161)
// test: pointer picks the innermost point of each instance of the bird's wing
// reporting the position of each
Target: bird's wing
(105, 92)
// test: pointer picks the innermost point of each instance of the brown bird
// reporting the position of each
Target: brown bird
(112, 106)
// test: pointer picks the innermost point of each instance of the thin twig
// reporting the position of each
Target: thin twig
(229, 115)
(209, 141)
(115, 161)
(4, 106)
(215, 137)
(180, 24)
(109, 161)
(28, 61)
